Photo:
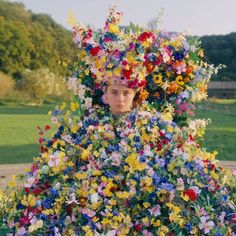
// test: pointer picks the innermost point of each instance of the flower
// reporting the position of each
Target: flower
(205, 225)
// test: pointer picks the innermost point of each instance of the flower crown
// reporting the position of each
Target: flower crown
(168, 69)
(113, 55)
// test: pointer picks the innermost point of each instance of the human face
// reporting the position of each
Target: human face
(119, 98)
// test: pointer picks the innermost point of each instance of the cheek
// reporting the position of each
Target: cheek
(109, 98)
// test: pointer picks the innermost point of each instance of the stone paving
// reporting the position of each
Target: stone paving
(6, 171)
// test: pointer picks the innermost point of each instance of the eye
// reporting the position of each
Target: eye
(114, 92)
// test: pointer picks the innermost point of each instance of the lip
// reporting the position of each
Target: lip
(120, 105)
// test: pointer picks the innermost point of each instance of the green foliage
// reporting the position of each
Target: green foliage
(7, 85)
(42, 83)
(32, 41)
(222, 49)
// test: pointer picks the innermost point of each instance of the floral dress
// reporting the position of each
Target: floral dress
(130, 174)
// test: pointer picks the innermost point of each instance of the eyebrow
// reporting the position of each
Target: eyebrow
(124, 90)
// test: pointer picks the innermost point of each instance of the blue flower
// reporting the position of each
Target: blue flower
(47, 204)
(189, 226)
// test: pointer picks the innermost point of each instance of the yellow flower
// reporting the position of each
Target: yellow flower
(63, 106)
(37, 225)
(106, 221)
(148, 181)
(86, 152)
(214, 175)
(201, 53)
(157, 79)
(74, 106)
(163, 230)
(112, 202)
(171, 166)
(122, 195)
(156, 223)
(97, 172)
(47, 211)
(134, 163)
(117, 71)
(114, 28)
(81, 175)
(96, 154)
(180, 80)
(146, 204)
(109, 74)
(145, 220)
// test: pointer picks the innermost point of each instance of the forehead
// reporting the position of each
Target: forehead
(119, 87)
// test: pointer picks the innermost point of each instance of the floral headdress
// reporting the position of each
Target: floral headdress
(168, 69)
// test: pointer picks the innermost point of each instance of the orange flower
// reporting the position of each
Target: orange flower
(156, 94)
(186, 79)
(173, 87)
(143, 94)
(189, 69)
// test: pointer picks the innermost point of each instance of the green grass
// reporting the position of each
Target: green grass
(19, 133)
(221, 133)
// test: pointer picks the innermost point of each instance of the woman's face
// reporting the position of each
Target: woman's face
(119, 98)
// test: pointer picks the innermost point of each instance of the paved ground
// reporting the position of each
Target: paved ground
(6, 171)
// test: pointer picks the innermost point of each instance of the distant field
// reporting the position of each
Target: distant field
(19, 134)
(221, 133)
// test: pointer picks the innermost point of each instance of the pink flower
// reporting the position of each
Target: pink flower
(205, 225)
(146, 233)
(54, 160)
(155, 210)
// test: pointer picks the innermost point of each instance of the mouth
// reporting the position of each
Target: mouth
(120, 106)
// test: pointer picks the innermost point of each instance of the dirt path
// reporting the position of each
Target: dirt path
(6, 171)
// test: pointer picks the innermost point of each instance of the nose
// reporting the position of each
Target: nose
(121, 98)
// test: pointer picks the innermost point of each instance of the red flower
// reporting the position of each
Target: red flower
(40, 140)
(132, 84)
(37, 191)
(127, 73)
(47, 127)
(24, 220)
(138, 227)
(191, 194)
(146, 35)
(94, 51)
(212, 166)
(142, 83)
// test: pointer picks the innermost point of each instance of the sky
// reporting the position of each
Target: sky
(197, 17)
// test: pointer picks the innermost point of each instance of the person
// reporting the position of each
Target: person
(122, 162)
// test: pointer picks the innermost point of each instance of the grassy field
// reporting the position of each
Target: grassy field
(19, 133)
(221, 133)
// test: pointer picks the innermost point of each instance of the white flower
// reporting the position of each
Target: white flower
(29, 182)
(94, 197)
(88, 103)
(72, 199)
(72, 84)
(81, 91)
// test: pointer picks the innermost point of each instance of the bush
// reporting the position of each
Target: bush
(7, 85)
(42, 84)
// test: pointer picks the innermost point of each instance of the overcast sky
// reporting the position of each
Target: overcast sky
(198, 17)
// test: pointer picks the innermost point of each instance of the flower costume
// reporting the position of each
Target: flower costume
(137, 173)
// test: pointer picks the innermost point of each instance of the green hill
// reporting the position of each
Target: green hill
(29, 40)
(222, 49)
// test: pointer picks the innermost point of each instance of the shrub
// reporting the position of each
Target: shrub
(7, 85)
